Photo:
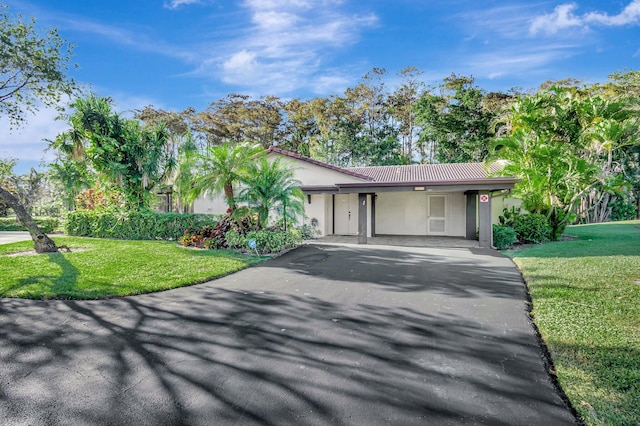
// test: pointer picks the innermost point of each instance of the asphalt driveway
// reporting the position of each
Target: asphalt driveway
(325, 334)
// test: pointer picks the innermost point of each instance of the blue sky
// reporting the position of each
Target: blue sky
(179, 53)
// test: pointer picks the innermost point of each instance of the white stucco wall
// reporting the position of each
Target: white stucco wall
(311, 174)
(405, 213)
(317, 210)
(211, 205)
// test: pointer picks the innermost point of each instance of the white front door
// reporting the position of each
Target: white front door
(437, 215)
(346, 214)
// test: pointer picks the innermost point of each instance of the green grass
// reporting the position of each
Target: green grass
(110, 268)
(586, 303)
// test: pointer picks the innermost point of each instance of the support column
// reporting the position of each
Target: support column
(472, 210)
(373, 215)
(484, 217)
(362, 218)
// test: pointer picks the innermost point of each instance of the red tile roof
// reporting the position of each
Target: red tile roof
(415, 173)
(424, 172)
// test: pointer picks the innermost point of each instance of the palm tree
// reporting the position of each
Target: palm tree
(272, 186)
(222, 166)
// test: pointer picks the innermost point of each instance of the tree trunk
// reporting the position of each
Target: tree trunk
(228, 193)
(41, 242)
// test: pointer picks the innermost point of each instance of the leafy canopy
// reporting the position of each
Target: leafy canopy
(33, 67)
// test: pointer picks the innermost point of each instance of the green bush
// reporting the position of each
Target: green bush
(145, 225)
(623, 209)
(267, 240)
(508, 216)
(47, 224)
(503, 237)
(531, 228)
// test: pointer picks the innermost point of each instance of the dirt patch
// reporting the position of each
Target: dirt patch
(34, 253)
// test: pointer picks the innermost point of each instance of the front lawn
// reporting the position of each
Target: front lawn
(586, 303)
(97, 268)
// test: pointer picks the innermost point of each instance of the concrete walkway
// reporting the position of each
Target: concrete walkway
(7, 237)
(324, 335)
(402, 241)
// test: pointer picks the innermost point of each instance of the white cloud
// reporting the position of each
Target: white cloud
(142, 39)
(272, 20)
(629, 15)
(27, 142)
(563, 17)
(517, 60)
(279, 4)
(331, 84)
(286, 44)
(174, 4)
(240, 68)
(506, 21)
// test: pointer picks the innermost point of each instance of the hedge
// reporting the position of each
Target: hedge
(267, 240)
(46, 224)
(133, 225)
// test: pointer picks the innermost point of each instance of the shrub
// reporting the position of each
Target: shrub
(47, 224)
(144, 225)
(508, 216)
(531, 228)
(623, 209)
(215, 237)
(503, 237)
(309, 232)
(272, 240)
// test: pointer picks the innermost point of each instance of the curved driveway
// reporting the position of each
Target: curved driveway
(340, 335)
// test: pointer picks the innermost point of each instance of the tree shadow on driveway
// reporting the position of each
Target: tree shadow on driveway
(210, 355)
(453, 272)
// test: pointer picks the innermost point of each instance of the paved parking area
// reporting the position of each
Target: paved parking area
(326, 334)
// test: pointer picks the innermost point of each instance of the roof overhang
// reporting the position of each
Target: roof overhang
(489, 184)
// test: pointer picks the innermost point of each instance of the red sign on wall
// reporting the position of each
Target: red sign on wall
(484, 198)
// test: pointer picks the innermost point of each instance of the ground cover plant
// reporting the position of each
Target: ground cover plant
(585, 295)
(98, 268)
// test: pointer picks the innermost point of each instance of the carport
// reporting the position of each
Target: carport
(470, 215)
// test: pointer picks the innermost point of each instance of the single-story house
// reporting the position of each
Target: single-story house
(457, 200)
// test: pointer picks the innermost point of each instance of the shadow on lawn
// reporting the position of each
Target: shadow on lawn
(62, 284)
(216, 356)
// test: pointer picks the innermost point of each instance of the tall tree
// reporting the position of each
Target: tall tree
(561, 143)
(300, 127)
(126, 154)
(33, 67)
(456, 123)
(238, 118)
(402, 102)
